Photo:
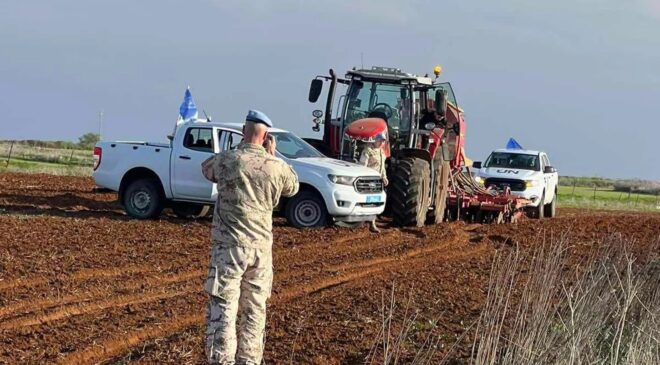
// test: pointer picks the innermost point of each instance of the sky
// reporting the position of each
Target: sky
(578, 79)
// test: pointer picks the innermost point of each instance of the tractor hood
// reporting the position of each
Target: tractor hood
(366, 129)
(508, 173)
(325, 165)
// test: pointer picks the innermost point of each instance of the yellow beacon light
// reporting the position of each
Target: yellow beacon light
(437, 70)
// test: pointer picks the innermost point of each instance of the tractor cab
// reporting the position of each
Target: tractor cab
(414, 109)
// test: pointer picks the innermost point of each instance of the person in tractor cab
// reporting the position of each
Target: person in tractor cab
(373, 156)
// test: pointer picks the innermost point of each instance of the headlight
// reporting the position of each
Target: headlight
(531, 183)
(344, 180)
(479, 180)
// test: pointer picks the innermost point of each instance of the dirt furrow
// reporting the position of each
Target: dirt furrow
(84, 274)
(89, 307)
(119, 344)
(31, 306)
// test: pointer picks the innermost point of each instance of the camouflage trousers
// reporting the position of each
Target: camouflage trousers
(239, 283)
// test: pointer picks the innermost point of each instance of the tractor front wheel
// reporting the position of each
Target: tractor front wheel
(409, 191)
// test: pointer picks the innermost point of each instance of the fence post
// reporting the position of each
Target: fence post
(594, 192)
(629, 192)
(573, 193)
(11, 148)
(71, 156)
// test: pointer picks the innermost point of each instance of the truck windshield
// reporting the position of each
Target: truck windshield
(513, 160)
(291, 146)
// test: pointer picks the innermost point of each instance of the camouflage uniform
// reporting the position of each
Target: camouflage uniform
(374, 157)
(250, 183)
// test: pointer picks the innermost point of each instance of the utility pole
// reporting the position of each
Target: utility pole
(100, 122)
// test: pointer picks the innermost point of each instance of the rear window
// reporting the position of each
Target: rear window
(199, 139)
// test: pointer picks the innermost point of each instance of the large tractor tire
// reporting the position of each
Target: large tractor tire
(409, 192)
(441, 188)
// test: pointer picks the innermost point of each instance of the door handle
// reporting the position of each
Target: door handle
(184, 157)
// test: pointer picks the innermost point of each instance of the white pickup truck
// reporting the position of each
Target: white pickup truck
(151, 176)
(528, 174)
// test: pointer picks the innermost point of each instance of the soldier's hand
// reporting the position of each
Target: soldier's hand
(270, 145)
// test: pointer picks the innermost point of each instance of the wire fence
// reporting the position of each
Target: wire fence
(609, 198)
(18, 151)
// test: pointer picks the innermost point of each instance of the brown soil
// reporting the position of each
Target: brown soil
(80, 283)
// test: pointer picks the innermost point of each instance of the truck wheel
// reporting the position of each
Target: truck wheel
(306, 210)
(550, 208)
(410, 192)
(537, 212)
(190, 210)
(143, 199)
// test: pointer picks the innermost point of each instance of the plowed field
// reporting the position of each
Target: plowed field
(80, 283)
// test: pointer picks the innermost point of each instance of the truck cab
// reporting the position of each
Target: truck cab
(151, 176)
(527, 174)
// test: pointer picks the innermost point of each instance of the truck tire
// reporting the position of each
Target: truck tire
(537, 212)
(306, 210)
(143, 199)
(189, 210)
(550, 209)
(410, 192)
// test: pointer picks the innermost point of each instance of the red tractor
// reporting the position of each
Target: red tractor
(426, 132)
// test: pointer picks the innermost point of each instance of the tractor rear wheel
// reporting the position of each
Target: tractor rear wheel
(409, 191)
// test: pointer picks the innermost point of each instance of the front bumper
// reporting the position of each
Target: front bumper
(345, 204)
(532, 194)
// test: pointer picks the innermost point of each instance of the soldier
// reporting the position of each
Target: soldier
(250, 182)
(373, 156)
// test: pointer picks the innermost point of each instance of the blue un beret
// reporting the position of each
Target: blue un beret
(258, 117)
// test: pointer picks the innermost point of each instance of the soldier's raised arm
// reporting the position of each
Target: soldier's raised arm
(290, 183)
(208, 171)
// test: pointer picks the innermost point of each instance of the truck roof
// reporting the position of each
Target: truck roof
(522, 152)
(238, 127)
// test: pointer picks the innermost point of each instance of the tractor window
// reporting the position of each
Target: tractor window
(367, 98)
(199, 139)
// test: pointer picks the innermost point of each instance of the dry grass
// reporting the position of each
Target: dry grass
(604, 311)
(543, 308)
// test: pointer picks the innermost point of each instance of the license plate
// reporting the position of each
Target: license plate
(373, 199)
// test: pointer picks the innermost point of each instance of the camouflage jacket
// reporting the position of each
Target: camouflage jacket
(250, 183)
(374, 158)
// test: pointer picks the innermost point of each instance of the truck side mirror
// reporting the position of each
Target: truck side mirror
(315, 90)
(549, 170)
(441, 102)
(476, 164)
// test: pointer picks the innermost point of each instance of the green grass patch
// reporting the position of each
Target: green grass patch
(583, 197)
(20, 165)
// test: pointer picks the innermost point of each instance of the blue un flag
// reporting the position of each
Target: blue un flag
(513, 145)
(188, 109)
